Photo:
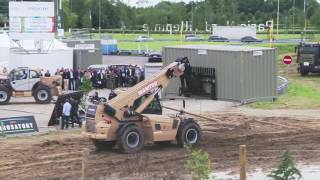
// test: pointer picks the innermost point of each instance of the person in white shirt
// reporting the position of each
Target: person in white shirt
(66, 114)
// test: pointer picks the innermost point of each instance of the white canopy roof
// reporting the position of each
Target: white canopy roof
(4, 39)
(32, 44)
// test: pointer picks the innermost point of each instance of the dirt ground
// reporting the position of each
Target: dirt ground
(58, 155)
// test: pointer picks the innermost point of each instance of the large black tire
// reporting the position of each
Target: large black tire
(189, 134)
(104, 145)
(5, 95)
(131, 140)
(42, 94)
(304, 72)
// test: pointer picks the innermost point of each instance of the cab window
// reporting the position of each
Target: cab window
(153, 108)
(34, 74)
(19, 75)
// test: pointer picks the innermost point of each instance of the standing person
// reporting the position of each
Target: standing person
(71, 80)
(61, 73)
(138, 74)
(123, 77)
(66, 112)
(81, 74)
(76, 76)
(74, 111)
(57, 72)
(142, 74)
(66, 77)
(47, 74)
(4, 70)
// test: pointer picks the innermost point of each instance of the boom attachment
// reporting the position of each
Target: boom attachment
(124, 102)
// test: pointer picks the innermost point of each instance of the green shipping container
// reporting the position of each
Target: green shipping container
(243, 74)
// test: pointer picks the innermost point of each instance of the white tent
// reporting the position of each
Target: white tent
(4, 49)
(54, 55)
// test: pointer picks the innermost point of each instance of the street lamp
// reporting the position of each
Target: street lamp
(278, 13)
(99, 18)
(305, 15)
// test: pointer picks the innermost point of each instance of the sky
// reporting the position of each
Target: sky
(143, 3)
(154, 2)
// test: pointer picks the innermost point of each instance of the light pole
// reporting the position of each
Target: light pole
(100, 18)
(278, 14)
(305, 16)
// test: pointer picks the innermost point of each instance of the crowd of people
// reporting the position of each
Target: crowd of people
(110, 77)
(103, 77)
(116, 76)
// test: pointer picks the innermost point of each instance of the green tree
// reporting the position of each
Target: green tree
(86, 86)
(286, 169)
(86, 20)
(69, 18)
(200, 165)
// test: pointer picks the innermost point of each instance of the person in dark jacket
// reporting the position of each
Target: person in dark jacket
(76, 76)
(47, 74)
(66, 77)
(74, 111)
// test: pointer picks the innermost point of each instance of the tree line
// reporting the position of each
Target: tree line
(114, 14)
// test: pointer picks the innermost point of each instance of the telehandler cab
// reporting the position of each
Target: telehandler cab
(25, 82)
(134, 117)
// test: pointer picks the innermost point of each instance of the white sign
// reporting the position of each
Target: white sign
(31, 20)
(202, 52)
(40, 24)
(84, 46)
(234, 32)
(31, 9)
(61, 32)
(187, 26)
(15, 24)
(257, 53)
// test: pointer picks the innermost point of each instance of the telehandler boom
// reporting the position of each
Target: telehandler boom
(134, 117)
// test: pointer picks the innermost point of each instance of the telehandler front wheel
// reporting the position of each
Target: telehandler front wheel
(189, 134)
(42, 94)
(5, 95)
(131, 140)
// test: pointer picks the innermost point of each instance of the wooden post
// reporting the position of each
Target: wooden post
(243, 159)
(85, 155)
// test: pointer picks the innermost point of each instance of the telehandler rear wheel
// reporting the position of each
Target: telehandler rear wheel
(5, 95)
(42, 94)
(131, 140)
(104, 145)
(189, 134)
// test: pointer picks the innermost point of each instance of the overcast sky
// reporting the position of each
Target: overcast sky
(151, 2)
(154, 2)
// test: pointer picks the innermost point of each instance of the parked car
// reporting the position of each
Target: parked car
(125, 53)
(143, 38)
(217, 39)
(155, 57)
(192, 37)
(250, 39)
(98, 67)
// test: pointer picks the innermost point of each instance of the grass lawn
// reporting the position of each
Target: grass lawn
(302, 92)
(156, 46)
(299, 96)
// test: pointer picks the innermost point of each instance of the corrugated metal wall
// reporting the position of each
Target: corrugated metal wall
(240, 76)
